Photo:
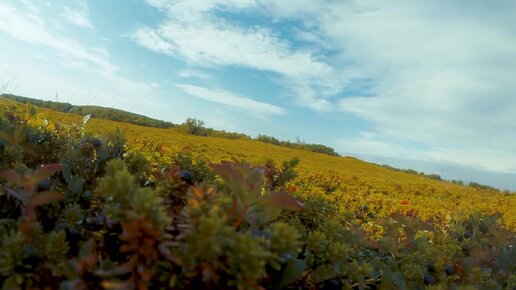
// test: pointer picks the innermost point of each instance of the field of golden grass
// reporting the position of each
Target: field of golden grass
(357, 182)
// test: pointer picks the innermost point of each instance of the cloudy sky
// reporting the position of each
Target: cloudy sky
(426, 83)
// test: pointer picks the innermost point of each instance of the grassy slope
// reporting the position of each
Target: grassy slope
(96, 111)
(376, 179)
(254, 151)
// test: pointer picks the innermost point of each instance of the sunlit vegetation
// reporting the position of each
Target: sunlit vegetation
(87, 203)
(191, 125)
(93, 111)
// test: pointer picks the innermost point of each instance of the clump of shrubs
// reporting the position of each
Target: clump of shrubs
(78, 212)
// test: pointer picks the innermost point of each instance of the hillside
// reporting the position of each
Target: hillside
(446, 196)
(191, 125)
(88, 203)
(94, 111)
(217, 149)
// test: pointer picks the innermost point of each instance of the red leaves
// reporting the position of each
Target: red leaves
(29, 182)
(46, 197)
(292, 188)
(282, 200)
(246, 183)
(405, 202)
(244, 180)
(46, 171)
(25, 190)
(11, 176)
(142, 241)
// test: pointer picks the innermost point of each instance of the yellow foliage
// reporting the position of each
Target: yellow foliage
(349, 182)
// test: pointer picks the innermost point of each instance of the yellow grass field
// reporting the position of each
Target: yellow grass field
(358, 182)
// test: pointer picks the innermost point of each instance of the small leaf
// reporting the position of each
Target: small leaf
(270, 213)
(67, 170)
(20, 134)
(292, 271)
(87, 248)
(102, 153)
(232, 178)
(46, 171)
(393, 280)
(282, 200)
(7, 137)
(12, 282)
(253, 180)
(76, 184)
(11, 176)
(468, 264)
(46, 197)
(69, 272)
(21, 196)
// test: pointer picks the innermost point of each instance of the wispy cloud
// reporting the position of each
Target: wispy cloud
(29, 27)
(406, 72)
(194, 33)
(446, 81)
(193, 73)
(28, 23)
(77, 17)
(232, 100)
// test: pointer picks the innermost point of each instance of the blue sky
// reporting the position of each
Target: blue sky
(430, 83)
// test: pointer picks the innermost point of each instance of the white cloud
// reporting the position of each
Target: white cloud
(367, 143)
(233, 100)
(193, 33)
(370, 144)
(58, 60)
(438, 73)
(77, 17)
(193, 73)
(441, 74)
(29, 27)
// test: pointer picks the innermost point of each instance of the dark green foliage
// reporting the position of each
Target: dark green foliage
(93, 111)
(434, 176)
(197, 127)
(140, 167)
(277, 178)
(318, 148)
(198, 168)
(481, 186)
(455, 181)
(229, 135)
(268, 139)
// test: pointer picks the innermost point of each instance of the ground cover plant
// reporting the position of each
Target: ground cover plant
(86, 206)
(191, 125)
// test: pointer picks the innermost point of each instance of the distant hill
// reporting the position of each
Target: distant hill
(94, 111)
(358, 181)
(191, 125)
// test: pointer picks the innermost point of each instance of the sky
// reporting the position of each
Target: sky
(425, 84)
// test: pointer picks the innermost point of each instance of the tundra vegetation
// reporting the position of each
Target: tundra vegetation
(87, 203)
